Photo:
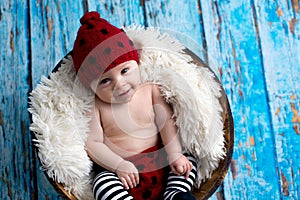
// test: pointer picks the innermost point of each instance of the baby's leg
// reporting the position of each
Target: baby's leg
(107, 185)
(178, 187)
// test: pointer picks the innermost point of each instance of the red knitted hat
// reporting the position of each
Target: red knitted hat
(99, 47)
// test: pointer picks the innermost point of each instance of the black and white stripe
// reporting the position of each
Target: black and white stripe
(177, 183)
(108, 186)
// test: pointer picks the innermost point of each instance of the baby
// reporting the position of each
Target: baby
(132, 136)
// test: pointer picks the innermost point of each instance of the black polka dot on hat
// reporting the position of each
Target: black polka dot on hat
(82, 42)
(150, 155)
(90, 26)
(120, 44)
(147, 194)
(131, 43)
(92, 60)
(104, 31)
(107, 50)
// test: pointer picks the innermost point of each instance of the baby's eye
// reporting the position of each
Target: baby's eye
(124, 70)
(104, 81)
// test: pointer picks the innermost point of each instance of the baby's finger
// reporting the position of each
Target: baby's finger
(188, 171)
(129, 181)
(187, 174)
(124, 182)
(181, 169)
(137, 178)
(132, 180)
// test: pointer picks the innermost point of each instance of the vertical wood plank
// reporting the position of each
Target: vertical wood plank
(118, 12)
(279, 30)
(231, 36)
(53, 28)
(17, 166)
(54, 25)
(181, 19)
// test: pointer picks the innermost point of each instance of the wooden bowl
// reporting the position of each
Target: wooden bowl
(208, 187)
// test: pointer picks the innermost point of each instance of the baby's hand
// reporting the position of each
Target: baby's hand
(181, 166)
(128, 174)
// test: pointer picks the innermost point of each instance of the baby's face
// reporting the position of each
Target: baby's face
(118, 84)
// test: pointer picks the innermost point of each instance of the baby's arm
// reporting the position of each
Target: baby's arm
(169, 133)
(105, 157)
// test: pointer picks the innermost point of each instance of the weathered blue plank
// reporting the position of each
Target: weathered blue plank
(119, 13)
(54, 25)
(279, 29)
(17, 168)
(181, 19)
(233, 43)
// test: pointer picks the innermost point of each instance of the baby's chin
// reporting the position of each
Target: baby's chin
(117, 101)
(121, 100)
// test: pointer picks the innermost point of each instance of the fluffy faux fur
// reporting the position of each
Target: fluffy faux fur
(59, 103)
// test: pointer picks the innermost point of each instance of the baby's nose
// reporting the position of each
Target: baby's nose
(120, 83)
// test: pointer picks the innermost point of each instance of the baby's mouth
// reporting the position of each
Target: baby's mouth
(124, 93)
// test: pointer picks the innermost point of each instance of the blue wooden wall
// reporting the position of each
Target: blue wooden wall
(254, 46)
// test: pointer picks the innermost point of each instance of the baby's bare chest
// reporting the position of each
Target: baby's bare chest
(136, 118)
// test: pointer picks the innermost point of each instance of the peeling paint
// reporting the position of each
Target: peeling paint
(220, 69)
(241, 94)
(252, 141)
(279, 12)
(9, 189)
(142, 3)
(296, 129)
(285, 185)
(112, 10)
(12, 43)
(255, 21)
(240, 144)
(292, 23)
(58, 7)
(295, 117)
(243, 156)
(1, 119)
(233, 169)
(293, 97)
(277, 111)
(249, 169)
(295, 4)
(49, 24)
(253, 156)
(219, 21)
(8, 185)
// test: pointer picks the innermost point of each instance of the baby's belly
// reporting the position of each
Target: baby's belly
(127, 145)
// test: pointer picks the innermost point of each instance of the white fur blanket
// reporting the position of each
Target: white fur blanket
(58, 111)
